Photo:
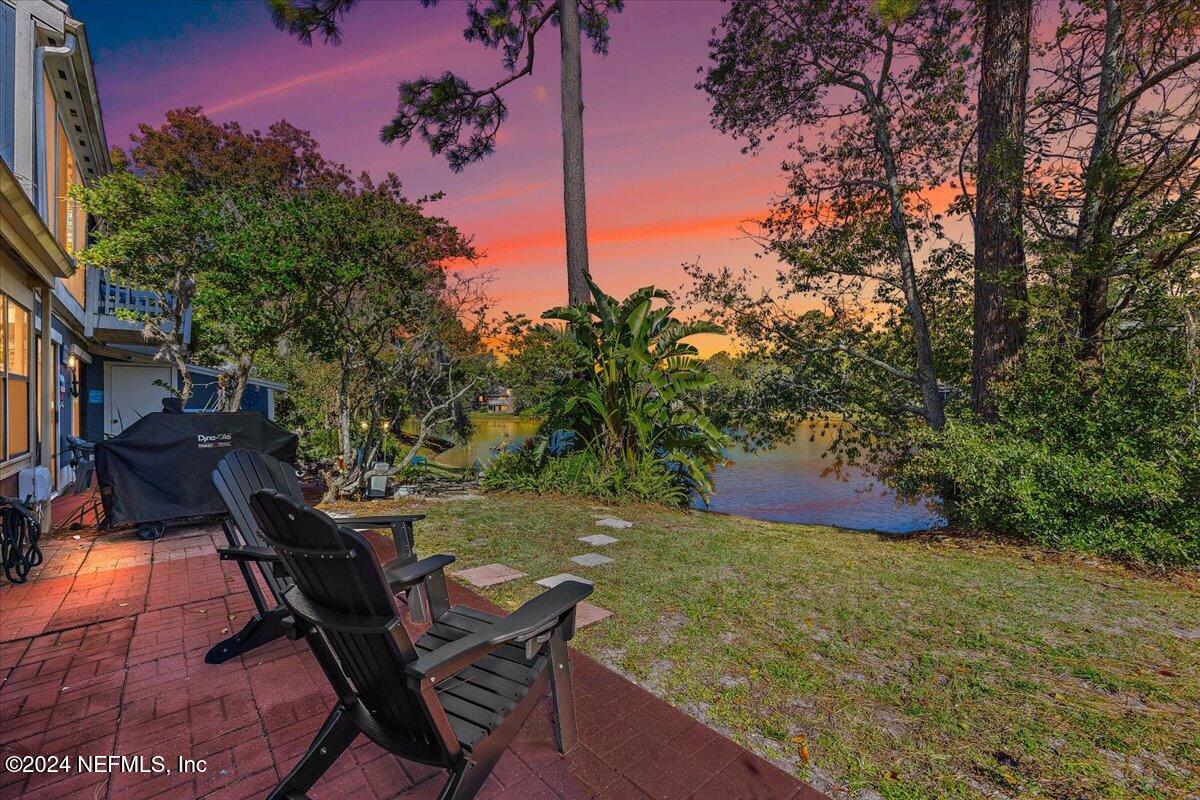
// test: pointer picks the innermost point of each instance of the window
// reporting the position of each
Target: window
(62, 183)
(48, 180)
(72, 221)
(15, 377)
(65, 218)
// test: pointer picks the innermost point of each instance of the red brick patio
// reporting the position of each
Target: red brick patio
(102, 652)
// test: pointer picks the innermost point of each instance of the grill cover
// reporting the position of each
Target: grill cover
(157, 470)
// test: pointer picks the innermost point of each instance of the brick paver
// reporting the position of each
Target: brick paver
(102, 653)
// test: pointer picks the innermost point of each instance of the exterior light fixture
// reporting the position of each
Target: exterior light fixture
(72, 367)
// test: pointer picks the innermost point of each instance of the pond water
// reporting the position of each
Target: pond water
(792, 483)
(789, 484)
(491, 432)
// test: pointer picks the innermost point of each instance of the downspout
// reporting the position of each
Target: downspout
(48, 391)
(39, 117)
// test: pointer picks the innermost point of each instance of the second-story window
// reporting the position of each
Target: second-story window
(72, 228)
(48, 180)
(65, 219)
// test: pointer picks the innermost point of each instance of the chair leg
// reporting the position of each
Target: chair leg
(331, 741)
(560, 688)
(450, 790)
(466, 781)
(260, 629)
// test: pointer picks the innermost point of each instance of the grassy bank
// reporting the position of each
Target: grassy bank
(924, 667)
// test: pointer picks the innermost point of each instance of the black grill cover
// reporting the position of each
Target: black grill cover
(157, 469)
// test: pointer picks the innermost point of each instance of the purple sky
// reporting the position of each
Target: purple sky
(663, 186)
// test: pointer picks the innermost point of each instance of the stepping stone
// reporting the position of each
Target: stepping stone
(591, 560)
(613, 522)
(598, 539)
(588, 614)
(555, 580)
(489, 575)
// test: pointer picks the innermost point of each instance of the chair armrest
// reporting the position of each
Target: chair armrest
(366, 523)
(400, 524)
(329, 619)
(544, 612)
(402, 576)
(247, 554)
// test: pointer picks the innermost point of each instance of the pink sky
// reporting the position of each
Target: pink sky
(663, 186)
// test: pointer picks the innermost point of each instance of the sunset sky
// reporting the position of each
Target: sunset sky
(663, 186)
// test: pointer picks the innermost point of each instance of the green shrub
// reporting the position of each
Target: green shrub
(1116, 504)
(587, 475)
(1110, 466)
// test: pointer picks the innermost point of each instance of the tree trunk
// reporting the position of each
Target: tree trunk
(344, 418)
(1000, 273)
(1091, 295)
(574, 198)
(932, 404)
(1190, 338)
(232, 383)
(176, 352)
(1089, 284)
(241, 378)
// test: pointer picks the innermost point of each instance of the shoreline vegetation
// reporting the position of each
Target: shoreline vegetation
(875, 665)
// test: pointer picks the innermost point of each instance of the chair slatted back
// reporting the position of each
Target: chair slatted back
(239, 475)
(334, 569)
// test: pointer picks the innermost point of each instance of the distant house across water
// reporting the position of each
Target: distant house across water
(497, 400)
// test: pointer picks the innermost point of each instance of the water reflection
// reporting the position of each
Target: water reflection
(787, 484)
(491, 432)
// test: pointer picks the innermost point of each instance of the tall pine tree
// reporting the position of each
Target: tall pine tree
(1000, 272)
(460, 121)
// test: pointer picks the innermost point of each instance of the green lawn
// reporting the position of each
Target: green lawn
(912, 668)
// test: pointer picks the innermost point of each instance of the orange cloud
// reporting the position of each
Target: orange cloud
(726, 224)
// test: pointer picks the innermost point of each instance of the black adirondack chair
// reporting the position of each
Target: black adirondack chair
(454, 698)
(237, 476)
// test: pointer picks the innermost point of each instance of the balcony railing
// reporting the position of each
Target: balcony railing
(107, 297)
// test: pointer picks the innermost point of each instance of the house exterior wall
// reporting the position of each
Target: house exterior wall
(51, 137)
(30, 261)
(257, 397)
(93, 399)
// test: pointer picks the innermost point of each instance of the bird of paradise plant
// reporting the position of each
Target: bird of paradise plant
(634, 394)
